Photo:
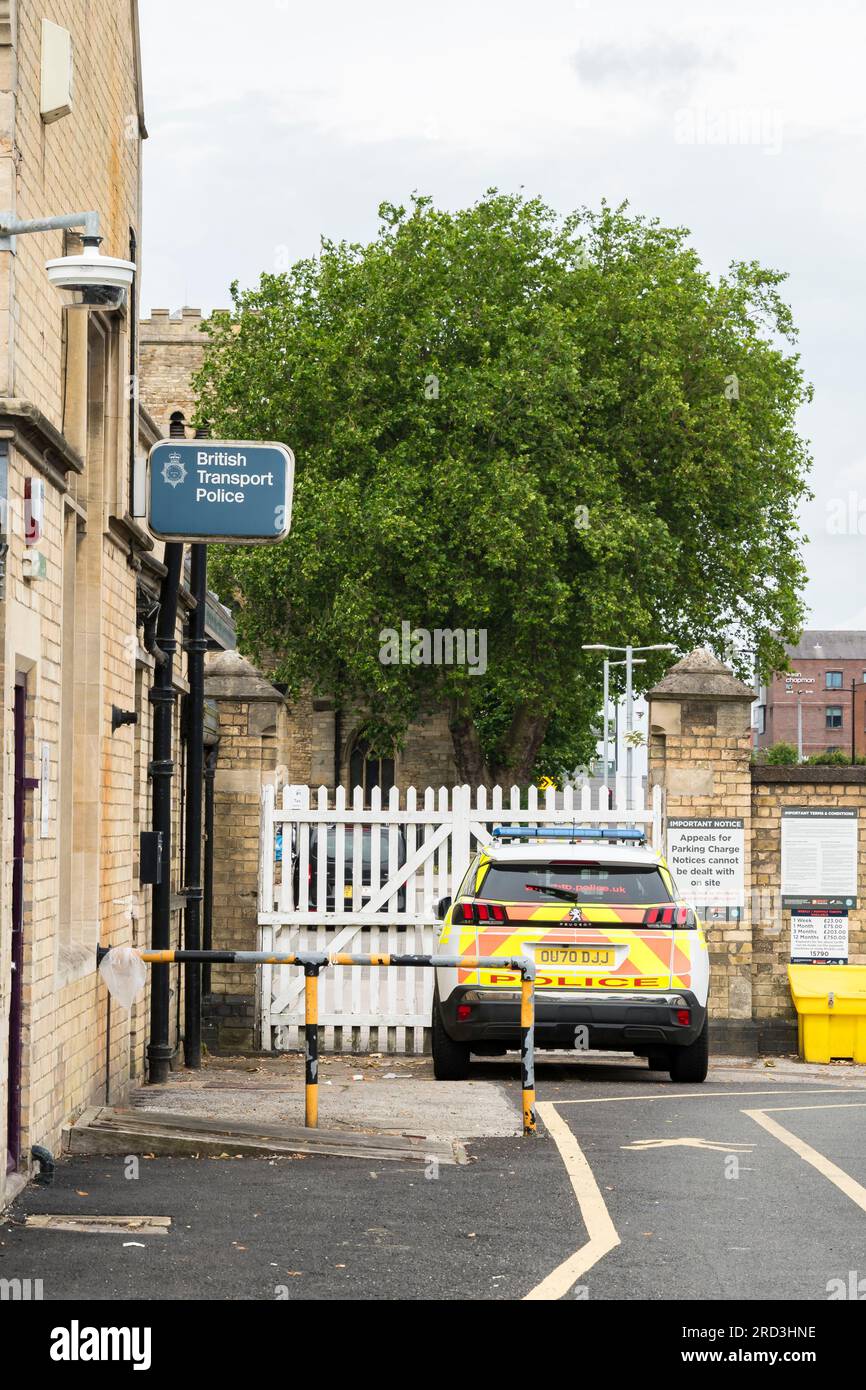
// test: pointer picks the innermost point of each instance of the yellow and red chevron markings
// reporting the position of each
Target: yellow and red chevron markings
(652, 959)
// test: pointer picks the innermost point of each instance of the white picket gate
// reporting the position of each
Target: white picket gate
(314, 897)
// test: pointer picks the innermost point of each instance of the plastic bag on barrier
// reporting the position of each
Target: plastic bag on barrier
(125, 974)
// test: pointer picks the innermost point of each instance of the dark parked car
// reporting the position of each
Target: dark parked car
(331, 869)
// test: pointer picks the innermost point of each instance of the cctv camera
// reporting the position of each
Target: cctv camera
(91, 281)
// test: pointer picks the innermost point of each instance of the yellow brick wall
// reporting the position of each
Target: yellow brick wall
(87, 160)
(772, 926)
(701, 759)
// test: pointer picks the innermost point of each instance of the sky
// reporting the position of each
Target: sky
(275, 122)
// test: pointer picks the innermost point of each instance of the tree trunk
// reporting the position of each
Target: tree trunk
(517, 758)
(468, 754)
(522, 742)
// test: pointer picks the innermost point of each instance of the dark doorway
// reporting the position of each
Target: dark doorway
(22, 786)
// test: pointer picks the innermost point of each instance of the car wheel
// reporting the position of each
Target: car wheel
(691, 1063)
(450, 1058)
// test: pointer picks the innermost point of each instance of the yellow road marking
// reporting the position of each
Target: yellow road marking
(599, 1227)
(829, 1170)
(602, 1233)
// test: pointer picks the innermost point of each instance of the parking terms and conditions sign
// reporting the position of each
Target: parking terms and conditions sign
(819, 855)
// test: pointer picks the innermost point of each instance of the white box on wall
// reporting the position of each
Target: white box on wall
(56, 84)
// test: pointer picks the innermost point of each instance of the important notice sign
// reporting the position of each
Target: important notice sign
(706, 858)
(819, 855)
(819, 936)
(219, 490)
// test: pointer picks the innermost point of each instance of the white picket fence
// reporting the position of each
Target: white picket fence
(419, 850)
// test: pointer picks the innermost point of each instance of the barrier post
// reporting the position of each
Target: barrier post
(527, 1046)
(311, 1045)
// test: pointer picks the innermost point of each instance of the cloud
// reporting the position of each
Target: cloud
(655, 62)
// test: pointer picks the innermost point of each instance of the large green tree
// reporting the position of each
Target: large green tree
(554, 430)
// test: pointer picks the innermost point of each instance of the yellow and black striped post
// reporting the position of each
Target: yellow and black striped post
(527, 1050)
(311, 1046)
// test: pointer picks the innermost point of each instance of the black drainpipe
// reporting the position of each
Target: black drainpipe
(207, 915)
(163, 697)
(196, 646)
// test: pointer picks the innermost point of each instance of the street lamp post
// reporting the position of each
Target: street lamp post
(638, 661)
(629, 663)
(606, 725)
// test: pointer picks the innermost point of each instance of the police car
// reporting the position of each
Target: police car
(621, 958)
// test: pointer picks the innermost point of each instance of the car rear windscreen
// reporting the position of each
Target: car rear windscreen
(635, 885)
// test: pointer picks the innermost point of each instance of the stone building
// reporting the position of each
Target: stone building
(79, 581)
(71, 554)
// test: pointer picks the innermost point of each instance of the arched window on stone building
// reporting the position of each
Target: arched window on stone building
(369, 770)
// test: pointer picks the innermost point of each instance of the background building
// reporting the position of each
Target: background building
(825, 667)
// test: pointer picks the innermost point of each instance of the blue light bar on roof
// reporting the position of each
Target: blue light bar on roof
(566, 832)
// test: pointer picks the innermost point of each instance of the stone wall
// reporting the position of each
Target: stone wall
(252, 752)
(700, 754)
(772, 789)
(171, 350)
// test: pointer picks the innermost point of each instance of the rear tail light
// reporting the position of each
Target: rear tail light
(684, 1017)
(476, 913)
(464, 1012)
(669, 917)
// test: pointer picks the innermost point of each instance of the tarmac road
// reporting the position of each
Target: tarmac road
(634, 1189)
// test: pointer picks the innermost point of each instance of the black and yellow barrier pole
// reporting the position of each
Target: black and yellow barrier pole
(313, 962)
(527, 1049)
(311, 1046)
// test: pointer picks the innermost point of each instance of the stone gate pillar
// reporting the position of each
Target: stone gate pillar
(251, 750)
(699, 753)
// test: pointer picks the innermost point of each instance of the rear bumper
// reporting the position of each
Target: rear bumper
(639, 1022)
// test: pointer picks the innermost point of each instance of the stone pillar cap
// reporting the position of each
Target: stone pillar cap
(228, 675)
(700, 675)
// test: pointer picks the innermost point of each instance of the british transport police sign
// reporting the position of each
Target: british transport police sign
(219, 490)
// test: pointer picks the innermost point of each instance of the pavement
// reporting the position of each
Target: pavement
(750, 1186)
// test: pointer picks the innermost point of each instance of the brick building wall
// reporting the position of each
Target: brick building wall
(824, 666)
(69, 636)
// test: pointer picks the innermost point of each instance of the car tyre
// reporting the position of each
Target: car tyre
(690, 1063)
(450, 1058)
